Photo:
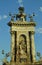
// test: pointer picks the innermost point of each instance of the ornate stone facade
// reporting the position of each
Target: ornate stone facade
(22, 40)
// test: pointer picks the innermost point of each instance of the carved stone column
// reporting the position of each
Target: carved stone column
(33, 47)
(12, 45)
(28, 48)
(17, 55)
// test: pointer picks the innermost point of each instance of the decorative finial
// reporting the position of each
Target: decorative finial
(31, 17)
(21, 9)
(21, 15)
(2, 51)
(12, 17)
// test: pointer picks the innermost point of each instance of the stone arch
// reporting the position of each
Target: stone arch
(22, 38)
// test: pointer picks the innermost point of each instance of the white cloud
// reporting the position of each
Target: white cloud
(20, 2)
(0, 62)
(4, 16)
(40, 9)
(39, 30)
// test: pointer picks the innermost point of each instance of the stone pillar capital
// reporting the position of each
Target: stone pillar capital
(32, 32)
(12, 32)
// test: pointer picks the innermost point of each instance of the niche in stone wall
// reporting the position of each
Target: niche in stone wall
(22, 48)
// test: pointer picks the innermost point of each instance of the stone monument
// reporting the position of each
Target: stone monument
(22, 39)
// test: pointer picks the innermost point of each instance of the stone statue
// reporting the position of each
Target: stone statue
(22, 48)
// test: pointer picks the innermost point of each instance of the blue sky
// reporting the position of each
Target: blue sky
(30, 6)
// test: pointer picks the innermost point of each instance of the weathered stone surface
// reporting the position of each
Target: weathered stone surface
(22, 41)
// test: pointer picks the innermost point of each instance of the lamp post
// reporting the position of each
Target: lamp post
(5, 62)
